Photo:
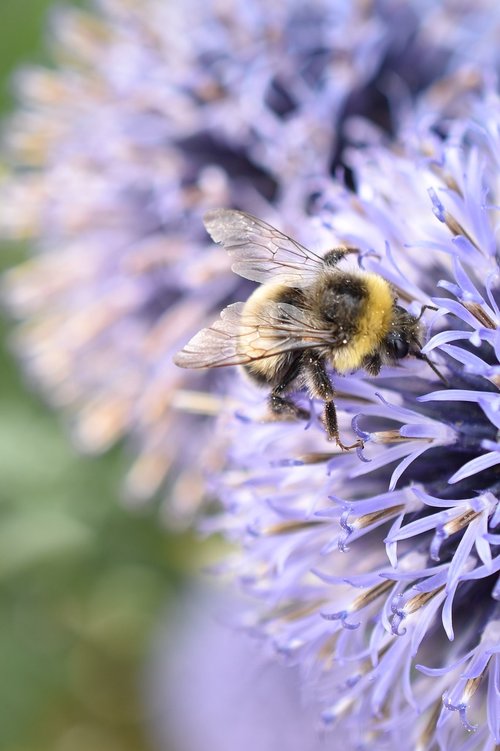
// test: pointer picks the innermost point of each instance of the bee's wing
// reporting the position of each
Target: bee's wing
(238, 338)
(262, 252)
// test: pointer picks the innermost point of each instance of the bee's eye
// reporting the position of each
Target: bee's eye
(397, 346)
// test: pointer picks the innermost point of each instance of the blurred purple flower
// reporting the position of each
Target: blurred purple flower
(376, 572)
(208, 687)
(149, 117)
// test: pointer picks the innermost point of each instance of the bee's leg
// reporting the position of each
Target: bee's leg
(280, 406)
(321, 387)
(372, 363)
(331, 424)
(332, 257)
(278, 403)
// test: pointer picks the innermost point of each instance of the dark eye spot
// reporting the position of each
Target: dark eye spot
(397, 346)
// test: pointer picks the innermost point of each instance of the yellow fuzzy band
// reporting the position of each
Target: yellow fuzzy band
(372, 325)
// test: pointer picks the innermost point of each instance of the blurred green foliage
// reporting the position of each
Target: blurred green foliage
(82, 580)
(22, 23)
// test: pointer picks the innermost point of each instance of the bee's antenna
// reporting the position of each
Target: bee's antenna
(424, 308)
(420, 356)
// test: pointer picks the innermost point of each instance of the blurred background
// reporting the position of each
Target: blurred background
(83, 580)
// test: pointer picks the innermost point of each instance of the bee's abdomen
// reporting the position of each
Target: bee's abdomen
(271, 370)
(262, 371)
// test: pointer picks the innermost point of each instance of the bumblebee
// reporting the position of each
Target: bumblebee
(308, 315)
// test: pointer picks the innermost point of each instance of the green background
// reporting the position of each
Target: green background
(82, 580)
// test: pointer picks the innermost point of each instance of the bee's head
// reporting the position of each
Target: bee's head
(403, 340)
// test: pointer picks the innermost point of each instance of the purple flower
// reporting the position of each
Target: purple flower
(209, 687)
(146, 120)
(375, 572)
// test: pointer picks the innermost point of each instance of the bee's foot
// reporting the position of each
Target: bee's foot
(329, 420)
(334, 437)
(359, 444)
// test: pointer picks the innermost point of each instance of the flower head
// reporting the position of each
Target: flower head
(146, 120)
(375, 571)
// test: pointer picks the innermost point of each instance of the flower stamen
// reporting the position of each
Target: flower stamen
(410, 606)
(479, 314)
(395, 436)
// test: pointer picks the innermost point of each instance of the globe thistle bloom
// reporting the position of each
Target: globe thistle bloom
(376, 571)
(146, 120)
(149, 119)
(209, 687)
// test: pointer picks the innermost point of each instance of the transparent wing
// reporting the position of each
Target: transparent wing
(262, 252)
(237, 338)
